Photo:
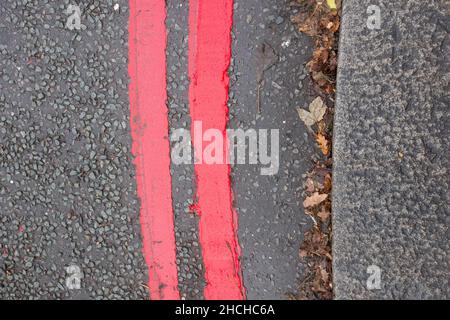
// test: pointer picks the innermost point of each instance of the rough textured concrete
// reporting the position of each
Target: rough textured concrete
(391, 151)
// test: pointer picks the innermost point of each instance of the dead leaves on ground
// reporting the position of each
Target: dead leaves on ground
(319, 19)
(324, 215)
(316, 247)
(315, 114)
(314, 199)
(332, 4)
(318, 283)
(323, 143)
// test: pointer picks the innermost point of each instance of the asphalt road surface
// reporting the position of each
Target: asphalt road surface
(91, 207)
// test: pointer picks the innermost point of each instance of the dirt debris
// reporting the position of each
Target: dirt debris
(319, 19)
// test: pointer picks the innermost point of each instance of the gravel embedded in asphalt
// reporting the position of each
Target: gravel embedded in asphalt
(67, 186)
(270, 211)
(189, 256)
(67, 182)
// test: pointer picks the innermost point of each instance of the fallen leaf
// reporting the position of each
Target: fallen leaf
(309, 185)
(327, 183)
(307, 22)
(320, 78)
(318, 108)
(314, 199)
(324, 215)
(266, 58)
(306, 117)
(335, 26)
(321, 55)
(315, 114)
(332, 4)
(321, 127)
(322, 171)
(323, 143)
(303, 253)
(324, 274)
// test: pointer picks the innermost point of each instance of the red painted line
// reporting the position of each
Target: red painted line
(149, 130)
(209, 58)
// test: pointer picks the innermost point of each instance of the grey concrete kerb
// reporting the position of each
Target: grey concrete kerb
(391, 160)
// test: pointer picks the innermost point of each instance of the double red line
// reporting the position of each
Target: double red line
(210, 24)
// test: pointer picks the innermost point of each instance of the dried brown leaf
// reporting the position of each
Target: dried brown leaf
(303, 253)
(324, 274)
(316, 112)
(324, 215)
(314, 199)
(323, 144)
(327, 183)
(309, 185)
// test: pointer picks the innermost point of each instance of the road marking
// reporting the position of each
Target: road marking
(149, 126)
(209, 57)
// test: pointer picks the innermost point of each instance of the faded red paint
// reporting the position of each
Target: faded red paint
(149, 126)
(209, 58)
